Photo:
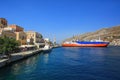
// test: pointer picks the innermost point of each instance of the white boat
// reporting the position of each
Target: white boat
(47, 48)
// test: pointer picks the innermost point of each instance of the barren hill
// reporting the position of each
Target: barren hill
(107, 34)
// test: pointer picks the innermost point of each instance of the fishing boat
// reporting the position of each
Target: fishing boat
(92, 43)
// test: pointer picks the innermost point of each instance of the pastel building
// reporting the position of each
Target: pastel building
(35, 38)
(21, 37)
(20, 34)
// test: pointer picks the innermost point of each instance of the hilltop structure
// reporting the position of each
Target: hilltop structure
(3, 23)
(5, 30)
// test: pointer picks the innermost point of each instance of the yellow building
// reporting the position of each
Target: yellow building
(21, 37)
(20, 34)
(34, 38)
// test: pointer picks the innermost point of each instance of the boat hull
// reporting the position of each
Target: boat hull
(86, 44)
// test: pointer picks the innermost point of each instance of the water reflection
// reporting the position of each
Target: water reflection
(67, 64)
(84, 55)
(26, 66)
(71, 52)
(46, 58)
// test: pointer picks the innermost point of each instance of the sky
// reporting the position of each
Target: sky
(61, 19)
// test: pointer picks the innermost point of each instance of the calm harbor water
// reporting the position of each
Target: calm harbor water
(67, 64)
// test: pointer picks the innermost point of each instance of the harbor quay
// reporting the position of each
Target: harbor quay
(19, 56)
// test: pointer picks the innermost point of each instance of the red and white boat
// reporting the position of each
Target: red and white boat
(97, 43)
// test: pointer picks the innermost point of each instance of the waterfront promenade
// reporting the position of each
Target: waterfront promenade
(18, 56)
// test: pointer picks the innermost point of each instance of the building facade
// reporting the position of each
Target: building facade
(21, 37)
(34, 38)
(17, 28)
(8, 32)
(17, 32)
(3, 22)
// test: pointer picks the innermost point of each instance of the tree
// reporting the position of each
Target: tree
(8, 45)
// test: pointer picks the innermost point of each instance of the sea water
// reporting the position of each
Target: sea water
(67, 63)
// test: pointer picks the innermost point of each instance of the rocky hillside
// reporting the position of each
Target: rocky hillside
(107, 34)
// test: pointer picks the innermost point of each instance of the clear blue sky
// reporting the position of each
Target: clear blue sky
(61, 18)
